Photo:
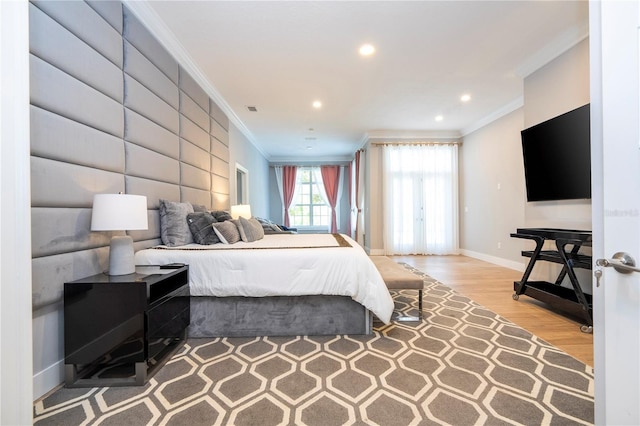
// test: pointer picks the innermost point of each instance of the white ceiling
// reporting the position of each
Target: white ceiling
(280, 56)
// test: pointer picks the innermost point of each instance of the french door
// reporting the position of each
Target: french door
(420, 192)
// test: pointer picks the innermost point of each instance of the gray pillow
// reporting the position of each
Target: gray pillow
(174, 230)
(199, 208)
(250, 229)
(227, 231)
(201, 229)
(221, 215)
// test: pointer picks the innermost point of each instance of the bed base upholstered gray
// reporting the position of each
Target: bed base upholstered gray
(277, 316)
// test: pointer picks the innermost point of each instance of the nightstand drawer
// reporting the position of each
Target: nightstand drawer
(170, 317)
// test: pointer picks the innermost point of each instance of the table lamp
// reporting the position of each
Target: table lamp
(119, 212)
(243, 210)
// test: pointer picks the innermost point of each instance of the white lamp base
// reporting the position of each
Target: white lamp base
(121, 256)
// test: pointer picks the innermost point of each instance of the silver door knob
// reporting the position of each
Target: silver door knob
(621, 262)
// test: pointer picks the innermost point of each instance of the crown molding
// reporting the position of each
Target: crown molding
(413, 134)
(145, 13)
(551, 51)
(499, 113)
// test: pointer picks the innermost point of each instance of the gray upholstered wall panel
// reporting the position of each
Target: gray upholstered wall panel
(195, 178)
(59, 184)
(58, 92)
(218, 115)
(56, 45)
(56, 231)
(153, 231)
(219, 149)
(144, 132)
(104, 126)
(219, 167)
(139, 67)
(220, 201)
(194, 155)
(86, 24)
(218, 132)
(219, 184)
(142, 162)
(196, 196)
(146, 103)
(193, 111)
(50, 272)
(111, 11)
(58, 138)
(153, 189)
(143, 40)
(143, 244)
(193, 89)
(193, 133)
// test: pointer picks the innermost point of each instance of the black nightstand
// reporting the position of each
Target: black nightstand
(119, 330)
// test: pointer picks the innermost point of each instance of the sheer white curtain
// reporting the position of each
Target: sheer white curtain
(420, 193)
(280, 182)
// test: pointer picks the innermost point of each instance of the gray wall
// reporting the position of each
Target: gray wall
(111, 110)
(275, 210)
(244, 153)
(492, 155)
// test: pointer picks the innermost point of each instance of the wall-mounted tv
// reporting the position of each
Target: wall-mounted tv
(557, 157)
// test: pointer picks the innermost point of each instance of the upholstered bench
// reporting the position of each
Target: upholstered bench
(396, 277)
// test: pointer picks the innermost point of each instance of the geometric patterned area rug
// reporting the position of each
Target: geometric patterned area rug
(461, 365)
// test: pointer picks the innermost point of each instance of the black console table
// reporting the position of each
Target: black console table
(567, 246)
(119, 330)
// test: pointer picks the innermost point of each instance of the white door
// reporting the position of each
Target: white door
(615, 145)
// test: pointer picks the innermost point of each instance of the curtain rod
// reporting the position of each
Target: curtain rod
(415, 143)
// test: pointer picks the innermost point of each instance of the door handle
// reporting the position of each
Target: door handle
(621, 262)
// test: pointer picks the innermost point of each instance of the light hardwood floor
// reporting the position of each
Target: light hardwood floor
(492, 286)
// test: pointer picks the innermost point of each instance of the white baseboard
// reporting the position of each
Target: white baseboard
(517, 266)
(48, 379)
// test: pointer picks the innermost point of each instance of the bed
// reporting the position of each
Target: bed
(280, 285)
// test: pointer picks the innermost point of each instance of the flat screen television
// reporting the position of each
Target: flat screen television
(557, 157)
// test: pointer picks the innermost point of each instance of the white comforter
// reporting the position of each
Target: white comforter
(280, 265)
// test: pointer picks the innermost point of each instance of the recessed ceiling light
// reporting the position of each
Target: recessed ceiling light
(465, 98)
(367, 50)
(317, 104)
(309, 147)
(439, 118)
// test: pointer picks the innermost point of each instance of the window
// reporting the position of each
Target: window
(242, 185)
(309, 208)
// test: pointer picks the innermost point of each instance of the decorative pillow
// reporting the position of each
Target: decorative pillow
(268, 225)
(227, 231)
(201, 229)
(174, 229)
(250, 229)
(200, 208)
(221, 215)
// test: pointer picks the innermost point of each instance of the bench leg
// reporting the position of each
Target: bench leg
(410, 318)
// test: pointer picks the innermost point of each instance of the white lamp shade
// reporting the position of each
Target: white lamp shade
(243, 210)
(119, 212)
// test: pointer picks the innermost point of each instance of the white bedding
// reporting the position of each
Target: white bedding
(280, 265)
